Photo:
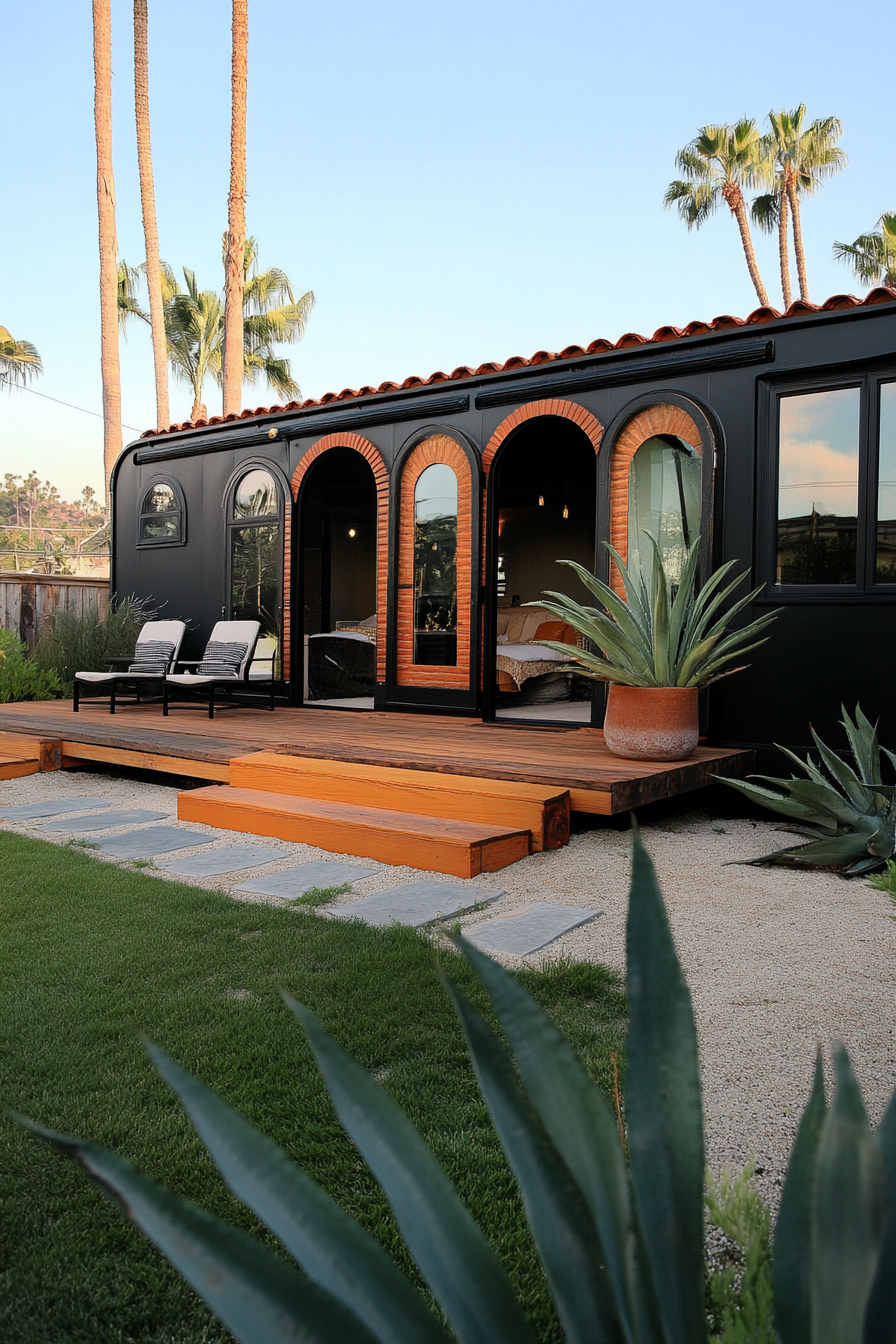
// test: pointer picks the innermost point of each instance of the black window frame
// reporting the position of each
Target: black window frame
(147, 543)
(866, 590)
(233, 523)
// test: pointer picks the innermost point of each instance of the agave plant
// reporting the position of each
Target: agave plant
(621, 1242)
(658, 635)
(849, 819)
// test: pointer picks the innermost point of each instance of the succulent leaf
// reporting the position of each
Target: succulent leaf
(792, 1272)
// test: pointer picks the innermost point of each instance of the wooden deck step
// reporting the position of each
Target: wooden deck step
(14, 767)
(461, 848)
(537, 808)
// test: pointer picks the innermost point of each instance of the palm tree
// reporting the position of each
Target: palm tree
(718, 163)
(232, 380)
(126, 296)
(271, 315)
(105, 191)
(194, 329)
(148, 200)
(194, 322)
(799, 160)
(872, 255)
(19, 361)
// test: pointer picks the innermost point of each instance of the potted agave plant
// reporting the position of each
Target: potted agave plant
(657, 647)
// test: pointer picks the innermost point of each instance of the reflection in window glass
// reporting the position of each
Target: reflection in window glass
(664, 503)
(886, 487)
(255, 577)
(255, 496)
(435, 567)
(818, 487)
(160, 518)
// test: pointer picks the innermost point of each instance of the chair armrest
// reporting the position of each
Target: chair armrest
(120, 658)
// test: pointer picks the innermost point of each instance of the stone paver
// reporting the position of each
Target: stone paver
(416, 904)
(531, 930)
(296, 881)
(131, 817)
(57, 808)
(150, 842)
(216, 861)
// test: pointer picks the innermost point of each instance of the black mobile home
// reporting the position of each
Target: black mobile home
(389, 538)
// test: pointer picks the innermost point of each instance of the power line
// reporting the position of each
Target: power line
(34, 392)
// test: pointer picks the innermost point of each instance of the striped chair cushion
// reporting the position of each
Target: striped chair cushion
(152, 656)
(222, 660)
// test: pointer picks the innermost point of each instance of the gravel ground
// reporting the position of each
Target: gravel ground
(777, 961)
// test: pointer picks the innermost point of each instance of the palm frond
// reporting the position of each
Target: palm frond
(19, 361)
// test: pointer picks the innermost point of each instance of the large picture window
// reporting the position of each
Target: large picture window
(835, 487)
(435, 567)
(255, 544)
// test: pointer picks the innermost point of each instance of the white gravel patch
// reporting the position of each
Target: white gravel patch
(777, 961)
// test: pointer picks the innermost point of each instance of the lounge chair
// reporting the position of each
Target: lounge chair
(231, 662)
(155, 654)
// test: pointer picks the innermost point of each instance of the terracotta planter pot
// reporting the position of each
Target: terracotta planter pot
(652, 723)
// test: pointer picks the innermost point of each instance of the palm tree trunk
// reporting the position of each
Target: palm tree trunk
(148, 199)
(235, 248)
(783, 253)
(798, 242)
(105, 195)
(734, 200)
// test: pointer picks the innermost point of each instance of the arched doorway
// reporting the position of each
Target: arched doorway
(338, 508)
(542, 508)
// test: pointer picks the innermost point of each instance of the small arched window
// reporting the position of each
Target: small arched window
(255, 552)
(435, 566)
(162, 515)
(664, 492)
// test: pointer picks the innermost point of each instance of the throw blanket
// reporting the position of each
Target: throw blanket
(522, 661)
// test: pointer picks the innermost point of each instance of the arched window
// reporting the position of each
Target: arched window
(162, 515)
(664, 496)
(435, 566)
(255, 551)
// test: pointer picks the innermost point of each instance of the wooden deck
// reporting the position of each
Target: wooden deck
(187, 743)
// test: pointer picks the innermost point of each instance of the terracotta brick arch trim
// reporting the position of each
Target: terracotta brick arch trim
(436, 448)
(372, 454)
(569, 410)
(644, 424)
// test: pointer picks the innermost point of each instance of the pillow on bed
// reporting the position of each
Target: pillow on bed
(558, 631)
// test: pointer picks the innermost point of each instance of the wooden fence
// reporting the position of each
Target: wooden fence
(26, 600)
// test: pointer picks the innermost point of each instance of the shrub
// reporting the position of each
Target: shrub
(71, 643)
(20, 677)
(622, 1244)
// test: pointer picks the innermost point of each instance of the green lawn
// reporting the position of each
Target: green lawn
(91, 951)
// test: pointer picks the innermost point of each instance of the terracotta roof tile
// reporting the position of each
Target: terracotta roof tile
(883, 294)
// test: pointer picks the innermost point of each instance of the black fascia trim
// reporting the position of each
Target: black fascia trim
(317, 422)
(630, 369)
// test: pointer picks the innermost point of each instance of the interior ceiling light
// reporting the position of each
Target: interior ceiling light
(352, 532)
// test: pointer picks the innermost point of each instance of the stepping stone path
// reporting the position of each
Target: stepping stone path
(530, 929)
(129, 817)
(296, 881)
(416, 904)
(25, 811)
(154, 840)
(217, 861)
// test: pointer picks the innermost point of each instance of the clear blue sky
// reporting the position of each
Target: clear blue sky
(456, 182)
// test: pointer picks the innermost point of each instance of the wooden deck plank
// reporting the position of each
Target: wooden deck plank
(575, 758)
